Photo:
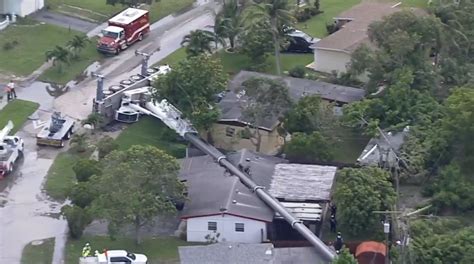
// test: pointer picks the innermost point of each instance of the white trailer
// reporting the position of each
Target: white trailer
(11, 149)
(115, 257)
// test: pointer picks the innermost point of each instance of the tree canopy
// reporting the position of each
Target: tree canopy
(358, 193)
(308, 148)
(137, 185)
(192, 87)
(267, 99)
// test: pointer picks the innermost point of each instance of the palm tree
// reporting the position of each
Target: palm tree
(199, 41)
(58, 54)
(276, 14)
(77, 43)
(228, 23)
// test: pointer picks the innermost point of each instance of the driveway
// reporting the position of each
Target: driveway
(64, 21)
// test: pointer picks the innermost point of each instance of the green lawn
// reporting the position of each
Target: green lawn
(151, 131)
(69, 72)
(32, 43)
(61, 177)
(38, 254)
(158, 9)
(316, 26)
(158, 250)
(174, 58)
(18, 112)
(234, 62)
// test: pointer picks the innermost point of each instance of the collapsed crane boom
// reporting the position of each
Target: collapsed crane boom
(171, 116)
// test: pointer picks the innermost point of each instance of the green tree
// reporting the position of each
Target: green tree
(256, 43)
(86, 168)
(345, 257)
(308, 148)
(191, 87)
(275, 14)
(310, 114)
(137, 185)
(199, 41)
(77, 43)
(358, 193)
(82, 194)
(228, 22)
(60, 57)
(106, 145)
(447, 247)
(266, 99)
(77, 219)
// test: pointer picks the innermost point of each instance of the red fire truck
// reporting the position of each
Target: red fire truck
(124, 29)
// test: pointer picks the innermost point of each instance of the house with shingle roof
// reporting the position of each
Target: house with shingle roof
(220, 208)
(228, 132)
(333, 53)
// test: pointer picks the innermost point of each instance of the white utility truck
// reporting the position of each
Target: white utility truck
(11, 148)
(115, 257)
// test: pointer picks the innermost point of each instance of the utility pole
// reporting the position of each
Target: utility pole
(146, 57)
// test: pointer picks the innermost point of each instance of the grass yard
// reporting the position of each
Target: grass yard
(151, 131)
(38, 254)
(158, 250)
(174, 58)
(98, 9)
(32, 43)
(61, 177)
(70, 72)
(316, 26)
(18, 112)
(234, 62)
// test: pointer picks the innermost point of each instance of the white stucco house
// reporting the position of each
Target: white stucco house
(333, 52)
(20, 7)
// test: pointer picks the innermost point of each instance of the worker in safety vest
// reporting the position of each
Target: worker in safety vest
(86, 250)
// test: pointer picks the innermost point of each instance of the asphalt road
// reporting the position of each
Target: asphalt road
(64, 21)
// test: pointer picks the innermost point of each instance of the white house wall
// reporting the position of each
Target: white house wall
(328, 60)
(197, 229)
(20, 7)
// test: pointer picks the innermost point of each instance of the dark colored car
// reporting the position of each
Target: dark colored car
(300, 42)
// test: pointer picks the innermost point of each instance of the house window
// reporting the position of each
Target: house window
(212, 226)
(229, 131)
(239, 227)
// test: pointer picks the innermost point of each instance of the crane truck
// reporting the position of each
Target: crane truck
(11, 149)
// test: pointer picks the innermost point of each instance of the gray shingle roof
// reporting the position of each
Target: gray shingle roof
(300, 182)
(232, 104)
(229, 253)
(237, 253)
(213, 191)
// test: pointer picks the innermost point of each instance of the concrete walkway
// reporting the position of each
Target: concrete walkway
(64, 21)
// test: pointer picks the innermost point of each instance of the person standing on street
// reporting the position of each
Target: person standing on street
(11, 85)
(8, 92)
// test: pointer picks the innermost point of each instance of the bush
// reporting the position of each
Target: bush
(306, 13)
(298, 71)
(85, 168)
(77, 219)
(82, 194)
(331, 28)
(8, 46)
(106, 145)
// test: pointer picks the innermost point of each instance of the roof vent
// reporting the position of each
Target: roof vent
(234, 201)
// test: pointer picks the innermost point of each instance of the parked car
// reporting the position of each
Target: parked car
(300, 42)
